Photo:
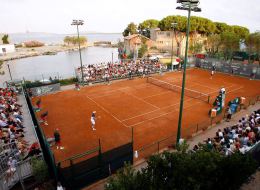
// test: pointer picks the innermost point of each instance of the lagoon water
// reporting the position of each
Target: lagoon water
(61, 65)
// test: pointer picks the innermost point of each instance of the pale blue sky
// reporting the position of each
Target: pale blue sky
(55, 16)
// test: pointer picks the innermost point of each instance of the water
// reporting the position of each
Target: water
(58, 38)
(61, 65)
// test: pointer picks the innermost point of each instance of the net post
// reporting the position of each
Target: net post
(208, 99)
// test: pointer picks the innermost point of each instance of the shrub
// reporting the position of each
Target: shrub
(31, 44)
(40, 170)
(205, 169)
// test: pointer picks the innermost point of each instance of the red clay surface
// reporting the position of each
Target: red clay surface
(151, 110)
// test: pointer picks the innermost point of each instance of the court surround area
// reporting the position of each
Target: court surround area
(151, 110)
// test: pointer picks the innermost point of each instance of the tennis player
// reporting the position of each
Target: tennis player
(93, 120)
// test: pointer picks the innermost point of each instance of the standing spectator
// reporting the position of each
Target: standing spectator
(57, 139)
(93, 120)
(11, 169)
(59, 186)
(44, 118)
(77, 87)
(229, 114)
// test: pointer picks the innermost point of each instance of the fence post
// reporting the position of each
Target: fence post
(20, 176)
(100, 158)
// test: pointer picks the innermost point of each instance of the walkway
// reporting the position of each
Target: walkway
(30, 134)
(199, 138)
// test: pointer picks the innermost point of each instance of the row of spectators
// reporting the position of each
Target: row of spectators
(108, 71)
(11, 126)
(240, 137)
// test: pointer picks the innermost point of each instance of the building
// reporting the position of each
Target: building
(168, 40)
(6, 48)
(133, 42)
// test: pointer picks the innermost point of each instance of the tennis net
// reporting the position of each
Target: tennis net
(188, 92)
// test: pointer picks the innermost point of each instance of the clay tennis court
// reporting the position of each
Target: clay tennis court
(152, 111)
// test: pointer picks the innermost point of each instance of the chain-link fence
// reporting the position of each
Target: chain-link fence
(230, 67)
(187, 131)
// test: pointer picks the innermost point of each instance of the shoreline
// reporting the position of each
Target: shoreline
(39, 51)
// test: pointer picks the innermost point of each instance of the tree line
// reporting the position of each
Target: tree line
(73, 40)
(222, 39)
(203, 170)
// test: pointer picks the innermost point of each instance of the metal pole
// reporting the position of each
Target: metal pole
(172, 48)
(9, 72)
(112, 57)
(82, 77)
(184, 77)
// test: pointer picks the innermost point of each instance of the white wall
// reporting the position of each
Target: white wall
(9, 48)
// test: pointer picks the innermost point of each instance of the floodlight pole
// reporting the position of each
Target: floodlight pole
(183, 77)
(9, 72)
(80, 55)
(173, 25)
(77, 23)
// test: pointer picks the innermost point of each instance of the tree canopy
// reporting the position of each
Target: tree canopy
(253, 43)
(5, 39)
(74, 40)
(1, 65)
(145, 26)
(202, 170)
(130, 29)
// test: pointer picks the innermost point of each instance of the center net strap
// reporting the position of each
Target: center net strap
(188, 92)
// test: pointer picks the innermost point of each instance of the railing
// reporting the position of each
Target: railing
(188, 132)
(23, 171)
(100, 79)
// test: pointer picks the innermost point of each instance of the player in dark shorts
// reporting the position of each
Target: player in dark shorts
(57, 139)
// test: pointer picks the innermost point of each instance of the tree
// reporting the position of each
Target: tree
(40, 170)
(74, 40)
(126, 178)
(212, 44)
(142, 51)
(166, 23)
(130, 29)
(252, 42)
(230, 42)
(205, 169)
(241, 31)
(222, 27)
(5, 39)
(196, 47)
(146, 25)
(1, 72)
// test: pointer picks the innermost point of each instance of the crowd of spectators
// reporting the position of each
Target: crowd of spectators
(108, 71)
(239, 137)
(13, 146)
(11, 126)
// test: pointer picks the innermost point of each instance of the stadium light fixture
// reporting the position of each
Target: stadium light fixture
(173, 26)
(189, 5)
(79, 23)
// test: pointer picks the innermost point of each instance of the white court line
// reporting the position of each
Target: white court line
(141, 100)
(162, 115)
(155, 110)
(109, 93)
(174, 110)
(203, 85)
(168, 91)
(106, 110)
(218, 90)
(235, 89)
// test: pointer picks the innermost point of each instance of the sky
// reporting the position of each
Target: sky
(112, 16)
